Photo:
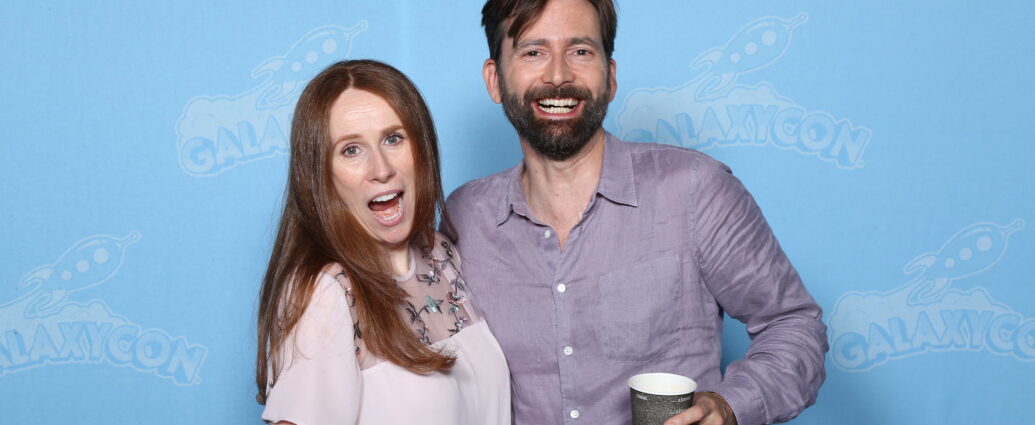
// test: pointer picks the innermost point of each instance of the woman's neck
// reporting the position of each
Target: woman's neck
(399, 260)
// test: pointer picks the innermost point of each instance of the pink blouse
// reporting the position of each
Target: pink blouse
(329, 378)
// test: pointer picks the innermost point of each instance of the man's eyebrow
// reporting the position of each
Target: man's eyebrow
(526, 43)
(570, 42)
(582, 40)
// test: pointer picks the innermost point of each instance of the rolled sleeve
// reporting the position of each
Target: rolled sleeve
(753, 281)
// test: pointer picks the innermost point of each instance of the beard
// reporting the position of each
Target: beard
(556, 139)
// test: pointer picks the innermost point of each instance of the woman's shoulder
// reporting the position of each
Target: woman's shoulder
(332, 273)
(332, 282)
(442, 249)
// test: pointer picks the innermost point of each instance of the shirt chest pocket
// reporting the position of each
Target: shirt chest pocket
(639, 309)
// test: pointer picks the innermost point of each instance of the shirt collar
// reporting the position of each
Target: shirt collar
(617, 181)
(513, 198)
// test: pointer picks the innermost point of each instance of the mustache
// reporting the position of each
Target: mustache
(535, 93)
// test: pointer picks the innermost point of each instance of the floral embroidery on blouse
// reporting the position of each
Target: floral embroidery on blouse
(419, 306)
(457, 294)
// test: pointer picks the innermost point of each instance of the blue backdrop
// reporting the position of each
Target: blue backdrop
(143, 161)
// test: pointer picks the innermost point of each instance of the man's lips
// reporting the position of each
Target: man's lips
(558, 107)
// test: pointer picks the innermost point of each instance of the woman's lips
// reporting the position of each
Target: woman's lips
(387, 208)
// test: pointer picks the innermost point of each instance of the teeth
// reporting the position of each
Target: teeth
(559, 102)
(389, 215)
(398, 213)
(384, 198)
(559, 110)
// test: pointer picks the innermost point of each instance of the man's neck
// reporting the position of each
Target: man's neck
(558, 192)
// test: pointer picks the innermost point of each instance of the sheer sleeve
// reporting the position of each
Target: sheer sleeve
(320, 379)
(452, 268)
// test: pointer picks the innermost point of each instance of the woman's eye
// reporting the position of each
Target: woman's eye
(393, 139)
(350, 151)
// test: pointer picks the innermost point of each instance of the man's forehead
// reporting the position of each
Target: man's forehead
(528, 36)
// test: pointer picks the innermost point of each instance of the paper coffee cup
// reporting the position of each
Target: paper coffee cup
(659, 396)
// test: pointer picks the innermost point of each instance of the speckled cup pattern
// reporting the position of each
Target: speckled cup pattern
(653, 409)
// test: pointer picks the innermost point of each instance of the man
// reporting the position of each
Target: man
(596, 259)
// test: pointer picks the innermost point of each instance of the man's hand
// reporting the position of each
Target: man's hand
(708, 409)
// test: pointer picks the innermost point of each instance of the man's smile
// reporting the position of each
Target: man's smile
(558, 106)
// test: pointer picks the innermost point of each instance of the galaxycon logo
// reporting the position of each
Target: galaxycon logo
(927, 314)
(712, 111)
(217, 133)
(39, 326)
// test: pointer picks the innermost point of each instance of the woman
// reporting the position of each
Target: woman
(364, 317)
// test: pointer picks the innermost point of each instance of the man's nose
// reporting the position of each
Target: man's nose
(381, 167)
(559, 71)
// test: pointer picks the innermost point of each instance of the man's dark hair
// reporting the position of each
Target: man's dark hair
(524, 12)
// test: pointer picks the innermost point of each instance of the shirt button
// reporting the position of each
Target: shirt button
(562, 287)
(568, 351)
(547, 234)
(574, 414)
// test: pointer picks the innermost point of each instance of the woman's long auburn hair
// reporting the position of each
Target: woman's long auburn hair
(317, 229)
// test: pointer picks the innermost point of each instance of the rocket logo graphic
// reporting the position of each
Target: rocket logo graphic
(756, 46)
(217, 133)
(712, 110)
(284, 77)
(927, 314)
(973, 250)
(40, 325)
(88, 263)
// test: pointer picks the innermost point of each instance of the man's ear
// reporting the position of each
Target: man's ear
(492, 80)
(614, 79)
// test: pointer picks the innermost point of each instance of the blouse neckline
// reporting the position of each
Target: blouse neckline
(409, 273)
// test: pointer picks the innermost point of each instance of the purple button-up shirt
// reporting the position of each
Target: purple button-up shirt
(669, 242)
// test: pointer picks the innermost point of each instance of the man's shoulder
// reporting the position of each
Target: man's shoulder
(655, 160)
(485, 190)
(477, 203)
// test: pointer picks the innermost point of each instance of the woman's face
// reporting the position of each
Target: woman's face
(372, 166)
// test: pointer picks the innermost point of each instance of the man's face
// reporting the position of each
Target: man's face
(555, 82)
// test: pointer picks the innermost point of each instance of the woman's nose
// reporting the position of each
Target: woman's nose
(381, 169)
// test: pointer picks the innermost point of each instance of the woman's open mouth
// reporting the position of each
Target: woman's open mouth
(387, 208)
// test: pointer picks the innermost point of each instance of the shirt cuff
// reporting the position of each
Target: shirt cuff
(744, 400)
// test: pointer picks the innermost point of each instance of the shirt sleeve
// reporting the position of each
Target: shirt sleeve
(748, 273)
(320, 380)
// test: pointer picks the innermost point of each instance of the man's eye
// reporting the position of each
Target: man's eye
(393, 139)
(350, 151)
(532, 53)
(582, 52)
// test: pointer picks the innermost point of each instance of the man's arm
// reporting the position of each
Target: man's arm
(744, 268)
